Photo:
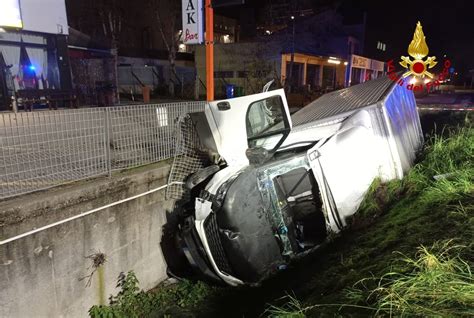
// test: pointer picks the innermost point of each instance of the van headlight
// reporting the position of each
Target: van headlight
(219, 197)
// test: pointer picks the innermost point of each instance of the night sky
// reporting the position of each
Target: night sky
(448, 25)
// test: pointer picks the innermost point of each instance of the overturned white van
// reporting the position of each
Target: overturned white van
(284, 183)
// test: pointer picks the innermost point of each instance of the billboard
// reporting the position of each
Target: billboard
(46, 16)
(10, 15)
(193, 28)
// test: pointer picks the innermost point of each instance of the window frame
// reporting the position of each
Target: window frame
(285, 131)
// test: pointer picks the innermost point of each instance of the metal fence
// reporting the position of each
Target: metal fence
(43, 149)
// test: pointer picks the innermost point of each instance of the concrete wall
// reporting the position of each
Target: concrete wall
(40, 274)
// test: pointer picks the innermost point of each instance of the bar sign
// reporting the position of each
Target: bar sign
(193, 31)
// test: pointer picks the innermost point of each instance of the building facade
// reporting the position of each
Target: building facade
(361, 69)
(33, 47)
(311, 54)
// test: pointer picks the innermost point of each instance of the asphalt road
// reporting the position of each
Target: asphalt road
(454, 101)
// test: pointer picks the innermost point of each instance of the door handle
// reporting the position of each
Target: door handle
(223, 106)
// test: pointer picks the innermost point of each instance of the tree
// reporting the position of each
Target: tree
(170, 33)
(111, 16)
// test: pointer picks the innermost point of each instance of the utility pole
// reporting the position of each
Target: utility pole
(292, 60)
(209, 50)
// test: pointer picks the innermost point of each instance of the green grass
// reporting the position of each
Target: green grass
(292, 308)
(439, 283)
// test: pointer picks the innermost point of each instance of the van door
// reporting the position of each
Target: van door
(254, 121)
(345, 165)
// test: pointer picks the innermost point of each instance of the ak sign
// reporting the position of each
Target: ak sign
(192, 22)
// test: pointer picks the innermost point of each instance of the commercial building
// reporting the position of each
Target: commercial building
(314, 55)
(361, 69)
(33, 47)
(147, 46)
(314, 72)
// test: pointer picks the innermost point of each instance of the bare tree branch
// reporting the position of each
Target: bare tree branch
(160, 26)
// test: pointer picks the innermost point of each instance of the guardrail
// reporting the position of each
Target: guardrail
(44, 149)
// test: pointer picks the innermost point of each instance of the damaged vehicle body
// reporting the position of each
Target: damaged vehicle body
(282, 184)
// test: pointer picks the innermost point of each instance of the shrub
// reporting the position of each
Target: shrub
(131, 302)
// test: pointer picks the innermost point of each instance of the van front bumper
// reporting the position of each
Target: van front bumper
(195, 253)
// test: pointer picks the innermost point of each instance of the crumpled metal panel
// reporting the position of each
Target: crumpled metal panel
(343, 101)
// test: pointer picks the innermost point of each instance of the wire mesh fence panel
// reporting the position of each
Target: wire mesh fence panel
(188, 158)
(48, 148)
(142, 134)
(44, 149)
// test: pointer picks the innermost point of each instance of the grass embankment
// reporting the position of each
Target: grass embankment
(411, 249)
(409, 253)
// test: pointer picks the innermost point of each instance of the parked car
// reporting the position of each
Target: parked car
(284, 183)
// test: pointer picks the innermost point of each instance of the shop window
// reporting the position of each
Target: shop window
(296, 78)
(355, 76)
(312, 75)
(329, 77)
(368, 75)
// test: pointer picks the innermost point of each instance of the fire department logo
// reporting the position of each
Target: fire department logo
(418, 49)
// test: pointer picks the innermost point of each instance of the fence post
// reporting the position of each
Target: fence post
(107, 142)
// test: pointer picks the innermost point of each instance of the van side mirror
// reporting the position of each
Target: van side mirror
(257, 155)
(223, 106)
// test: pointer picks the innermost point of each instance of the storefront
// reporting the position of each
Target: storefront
(362, 69)
(313, 72)
(32, 48)
(329, 73)
(26, 60)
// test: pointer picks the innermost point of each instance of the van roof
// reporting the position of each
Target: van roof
(339, 102)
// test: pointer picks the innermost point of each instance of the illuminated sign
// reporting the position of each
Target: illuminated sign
(192, 22)
(360, 62)
(10, 14)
